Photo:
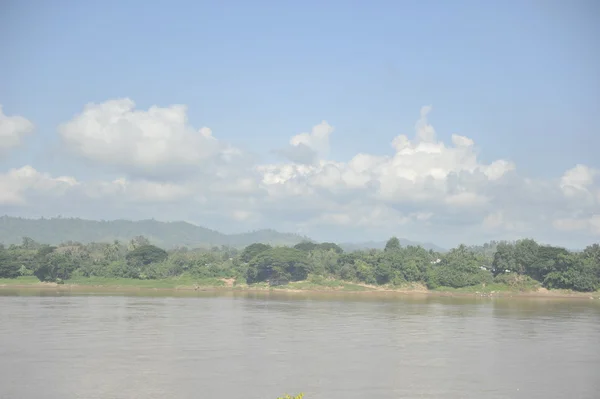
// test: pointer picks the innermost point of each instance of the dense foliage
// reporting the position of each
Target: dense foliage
(522, 264)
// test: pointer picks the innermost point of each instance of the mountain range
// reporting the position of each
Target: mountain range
(164, 234)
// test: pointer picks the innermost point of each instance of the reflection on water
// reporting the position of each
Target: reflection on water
(260, 345)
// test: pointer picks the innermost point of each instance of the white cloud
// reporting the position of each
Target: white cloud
(426, 189)
(589, 224)
(317, 140)
(17, 185)
(595, 224)
(158, 141)
(422, 169)
(243, 216)
(466, 199)
(357, 215)
(577, 180)
(138, 191)
(493, 220)
(570, 224)
(498, 168)
(427, 176)
(305, 148)
(12, 130)
(498, 221)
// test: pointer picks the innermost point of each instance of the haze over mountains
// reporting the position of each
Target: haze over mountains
(165, 234)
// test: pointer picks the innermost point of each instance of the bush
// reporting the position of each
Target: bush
(121, 269)
(447, 276)
(348, 272)
(399, 280)
(23, 271)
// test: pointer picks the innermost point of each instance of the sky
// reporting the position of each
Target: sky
(446, 122)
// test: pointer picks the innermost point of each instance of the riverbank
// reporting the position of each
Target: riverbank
(99, 284)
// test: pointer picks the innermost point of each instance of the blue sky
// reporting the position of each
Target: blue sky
(520, 79)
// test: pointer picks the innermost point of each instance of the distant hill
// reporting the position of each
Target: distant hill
(165, 234)
(349, 247)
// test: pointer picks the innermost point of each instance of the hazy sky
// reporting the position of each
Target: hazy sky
(314, 117)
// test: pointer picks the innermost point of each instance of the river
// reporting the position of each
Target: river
(261, 345)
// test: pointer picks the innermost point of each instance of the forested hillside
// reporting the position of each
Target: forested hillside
(164, 234)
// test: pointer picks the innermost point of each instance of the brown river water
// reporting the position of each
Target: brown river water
(261, 345)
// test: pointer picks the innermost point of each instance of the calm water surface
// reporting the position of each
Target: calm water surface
(55, 345)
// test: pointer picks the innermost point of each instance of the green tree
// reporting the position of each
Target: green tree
(326, 246)
(138, 241)
(365, 272)
(53, 266)
(252, 250)
(383, 273)
(29, 243)
(145, 255)
(526, 253)
(278, 266)
(573, 271)
(545, 262)
(348, 272)
(412, 271)
(9, 267)
(323, 262)
(459, 268)
(393, 244)
(114, 251)
(504, 259)
(592, 253)
(306, 246)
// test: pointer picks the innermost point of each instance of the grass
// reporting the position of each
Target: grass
(174, 282)
(314, 283)
(24, 280)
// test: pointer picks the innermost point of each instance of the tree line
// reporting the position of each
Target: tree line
(522, 264)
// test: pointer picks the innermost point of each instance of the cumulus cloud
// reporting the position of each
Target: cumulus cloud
(422, 169)
(151, 143)
(306, 148)
(578, 180)
(425, 189)
(12, 130)
(17, 185)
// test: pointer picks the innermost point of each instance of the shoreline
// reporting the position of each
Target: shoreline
(364, 291)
